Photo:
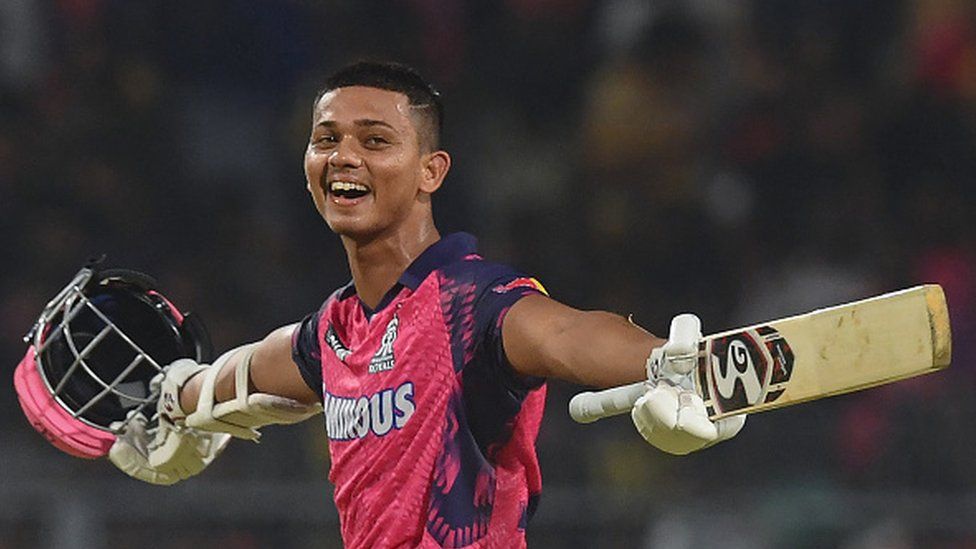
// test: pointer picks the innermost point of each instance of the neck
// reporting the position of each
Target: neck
(377, 263)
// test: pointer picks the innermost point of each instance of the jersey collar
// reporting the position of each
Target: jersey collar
(449, 249)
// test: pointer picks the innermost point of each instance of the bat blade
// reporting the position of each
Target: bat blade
(826, 352)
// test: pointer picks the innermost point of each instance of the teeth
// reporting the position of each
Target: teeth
(347, 186)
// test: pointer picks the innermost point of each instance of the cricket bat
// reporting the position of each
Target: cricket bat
(826, 352)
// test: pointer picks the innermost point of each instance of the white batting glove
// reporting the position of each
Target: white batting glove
(169, 452)
(671, 415)
(185, 454)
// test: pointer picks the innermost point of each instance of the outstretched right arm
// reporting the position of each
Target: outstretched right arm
(202, 405)
(272, 371)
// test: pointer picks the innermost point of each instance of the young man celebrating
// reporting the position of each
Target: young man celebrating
(429, 367)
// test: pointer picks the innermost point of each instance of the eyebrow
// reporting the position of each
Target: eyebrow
(363, 122)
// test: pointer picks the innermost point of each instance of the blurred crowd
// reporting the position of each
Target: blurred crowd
(742, 159)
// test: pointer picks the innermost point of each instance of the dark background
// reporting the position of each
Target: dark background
(743, 160)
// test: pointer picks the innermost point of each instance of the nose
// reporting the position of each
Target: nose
(344, 155)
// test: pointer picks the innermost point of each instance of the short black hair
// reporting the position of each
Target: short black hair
(386, 75)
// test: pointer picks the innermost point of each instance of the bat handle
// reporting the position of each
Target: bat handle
(681, 351)
(590, 406)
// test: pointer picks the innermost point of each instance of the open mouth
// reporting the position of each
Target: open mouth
(348, 190)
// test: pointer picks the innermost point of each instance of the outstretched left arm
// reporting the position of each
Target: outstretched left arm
(544, 338)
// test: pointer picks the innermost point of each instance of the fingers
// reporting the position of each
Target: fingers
(677, 358)
(673, 420)
(671, 414)
(727, 428)
(134, 424)
(681, 350)
(162, 455)
(659, 406)
(133, 432)
(692, 417)
(131, 461)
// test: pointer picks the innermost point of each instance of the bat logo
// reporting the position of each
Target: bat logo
(745, 369)
(738, 368)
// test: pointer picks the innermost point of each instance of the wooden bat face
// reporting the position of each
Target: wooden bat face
(797, 359)
(825, 352)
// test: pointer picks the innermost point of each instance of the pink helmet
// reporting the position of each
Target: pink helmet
(92, 354)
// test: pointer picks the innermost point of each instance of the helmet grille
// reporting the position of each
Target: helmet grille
(99, 351)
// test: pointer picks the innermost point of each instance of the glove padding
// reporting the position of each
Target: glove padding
(673, 419)
(246, 412)
(169, 452)
(184, 444)
(165, 454)
(670, 415)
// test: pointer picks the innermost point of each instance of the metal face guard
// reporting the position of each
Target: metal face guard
(92, 355)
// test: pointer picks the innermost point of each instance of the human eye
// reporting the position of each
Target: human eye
(376, 141)
(324, 140)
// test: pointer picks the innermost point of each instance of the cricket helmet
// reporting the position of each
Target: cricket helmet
(93, 352)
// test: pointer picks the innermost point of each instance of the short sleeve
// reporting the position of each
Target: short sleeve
(307, 353)
(493, 304)
(493, 392)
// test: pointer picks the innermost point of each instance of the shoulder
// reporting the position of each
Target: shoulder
(484, 291)
(484, 276)
(338, 297)
(308, 327)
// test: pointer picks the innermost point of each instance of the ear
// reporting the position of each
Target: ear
(435, 167)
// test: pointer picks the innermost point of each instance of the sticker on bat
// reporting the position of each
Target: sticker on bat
(745, 368)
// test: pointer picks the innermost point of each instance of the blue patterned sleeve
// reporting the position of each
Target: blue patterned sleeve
(494, 302)
(307, 353)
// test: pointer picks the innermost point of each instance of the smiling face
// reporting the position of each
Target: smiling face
(365, 166)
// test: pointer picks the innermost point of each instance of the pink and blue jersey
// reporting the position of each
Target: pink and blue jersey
(431, 433)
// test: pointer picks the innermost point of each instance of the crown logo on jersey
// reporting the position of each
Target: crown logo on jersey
(332, 339)
(383, 360)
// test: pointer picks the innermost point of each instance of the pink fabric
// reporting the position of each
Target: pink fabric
(384, 479)
(68, 434)
(381, 482)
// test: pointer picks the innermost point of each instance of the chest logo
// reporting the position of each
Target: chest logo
(384, 360)
(332, 339)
